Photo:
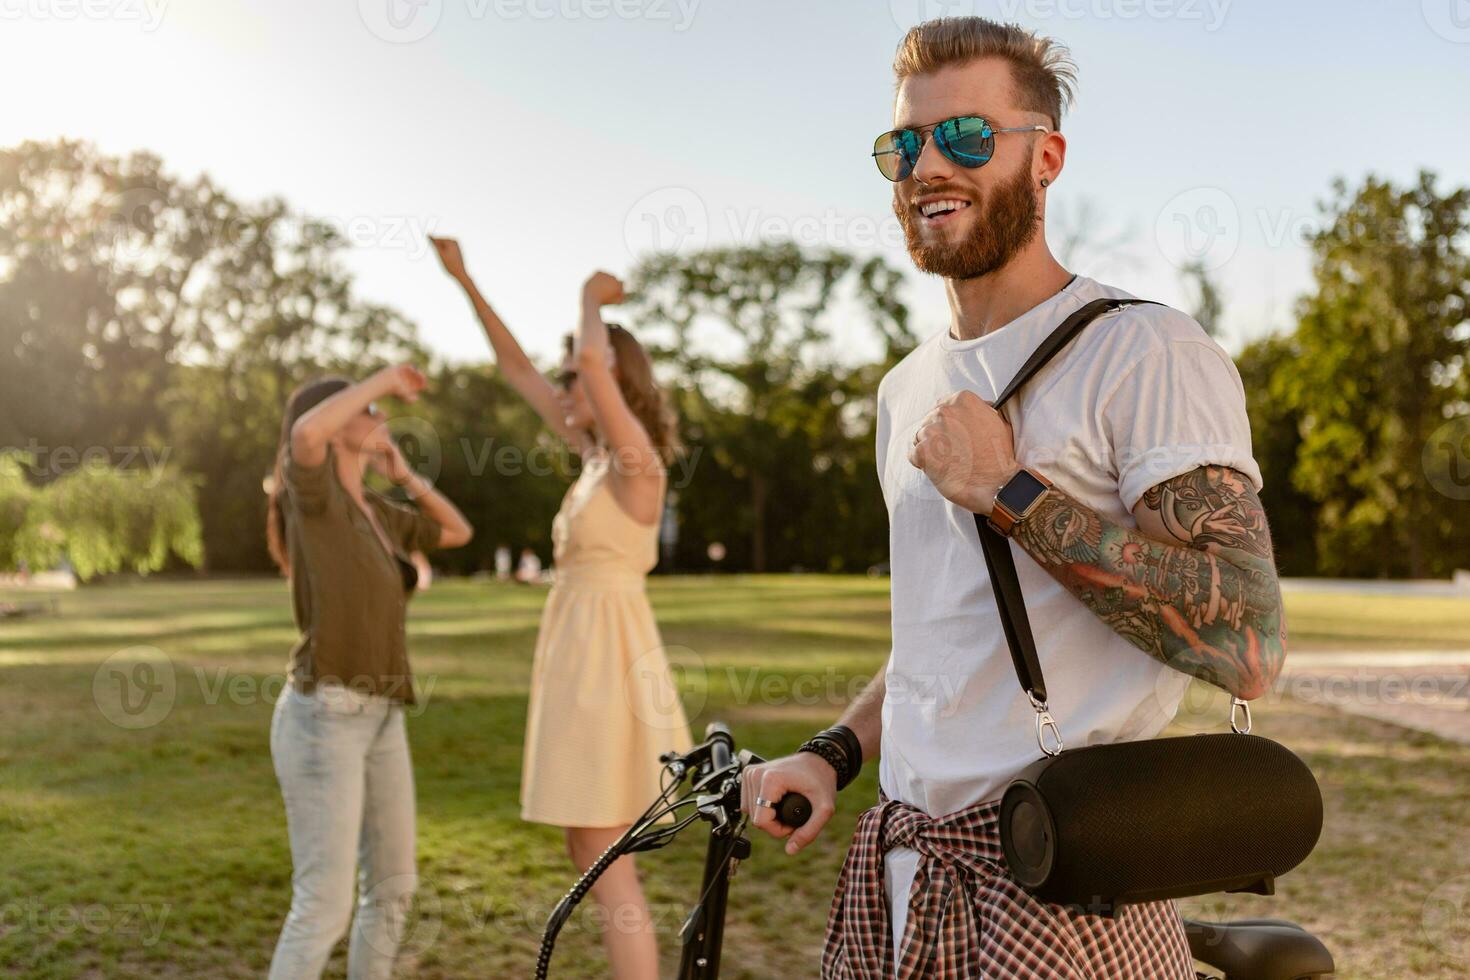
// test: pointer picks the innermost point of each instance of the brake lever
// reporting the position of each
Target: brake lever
(712, 807)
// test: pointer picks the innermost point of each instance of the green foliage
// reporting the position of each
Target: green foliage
(1275, 443)
(1379, 365)
(783, 427)
(104, 520)
(487, 451)
(144, 311)
(141, 309)
(16, 496)
(151, 310)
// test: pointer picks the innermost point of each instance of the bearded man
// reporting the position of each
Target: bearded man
(1129, 495)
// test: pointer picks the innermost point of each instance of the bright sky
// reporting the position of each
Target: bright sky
(557, 136)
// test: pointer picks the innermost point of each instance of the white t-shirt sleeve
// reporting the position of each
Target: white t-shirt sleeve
(1182, 406)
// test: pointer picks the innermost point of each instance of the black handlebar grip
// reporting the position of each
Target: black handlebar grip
(720, 745)
(793, 810)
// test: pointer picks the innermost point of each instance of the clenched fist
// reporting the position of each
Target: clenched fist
(803, 773)
(402, 381)
(603, 288)
(450, 255)
(967, 450)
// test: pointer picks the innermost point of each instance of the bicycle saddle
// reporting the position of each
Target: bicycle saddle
(1259, 949)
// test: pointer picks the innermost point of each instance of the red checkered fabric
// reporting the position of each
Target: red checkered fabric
(969, 919)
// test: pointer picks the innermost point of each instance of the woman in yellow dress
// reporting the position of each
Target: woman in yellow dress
(603, 704)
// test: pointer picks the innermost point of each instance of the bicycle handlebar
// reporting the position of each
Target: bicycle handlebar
(793, 810)
(716, 751)
(720, 742)
(714, 769)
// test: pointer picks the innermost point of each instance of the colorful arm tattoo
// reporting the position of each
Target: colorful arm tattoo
(1195, 586)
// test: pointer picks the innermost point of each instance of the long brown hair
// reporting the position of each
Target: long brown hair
(633, 369)
(302, 400)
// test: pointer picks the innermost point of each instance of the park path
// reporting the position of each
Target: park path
(1425, 690)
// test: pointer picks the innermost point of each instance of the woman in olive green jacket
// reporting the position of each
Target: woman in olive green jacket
(338, 738)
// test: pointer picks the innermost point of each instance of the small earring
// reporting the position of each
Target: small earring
(1044, 182)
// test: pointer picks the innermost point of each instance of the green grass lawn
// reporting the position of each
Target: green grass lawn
(1319, 620)
(160, 851)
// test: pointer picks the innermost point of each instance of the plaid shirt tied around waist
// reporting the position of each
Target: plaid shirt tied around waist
(968, 919)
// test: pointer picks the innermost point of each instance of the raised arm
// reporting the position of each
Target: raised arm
(455, 530)
(311, 433)
(513, 362)
(637, 470)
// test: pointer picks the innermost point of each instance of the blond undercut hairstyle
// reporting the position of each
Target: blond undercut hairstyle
(1042, 70)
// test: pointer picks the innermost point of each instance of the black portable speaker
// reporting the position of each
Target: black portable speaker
(1099, 827)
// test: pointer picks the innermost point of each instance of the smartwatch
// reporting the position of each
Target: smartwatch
(1015, 501)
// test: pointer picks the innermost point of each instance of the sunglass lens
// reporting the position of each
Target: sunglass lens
(896, 153)
(967, 140)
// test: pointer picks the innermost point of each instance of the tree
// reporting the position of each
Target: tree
(138, 309)
(105, 520)
(1382, 350)
(1275, 443)
(769, 408)
(1209, 305)
(489, 452)
(16, 497)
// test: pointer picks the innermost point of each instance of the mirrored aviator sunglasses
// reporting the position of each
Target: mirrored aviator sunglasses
(968, 141)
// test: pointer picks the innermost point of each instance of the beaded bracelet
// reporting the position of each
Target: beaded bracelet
(840, 748)
(831, 753)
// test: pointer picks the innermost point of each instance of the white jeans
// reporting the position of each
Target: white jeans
(343, 764)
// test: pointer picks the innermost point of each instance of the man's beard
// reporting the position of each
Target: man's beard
(1005, 223)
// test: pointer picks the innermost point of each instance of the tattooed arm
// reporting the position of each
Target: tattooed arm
(1195, 586)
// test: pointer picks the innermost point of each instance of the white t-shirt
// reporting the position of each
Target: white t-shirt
(1140, 396)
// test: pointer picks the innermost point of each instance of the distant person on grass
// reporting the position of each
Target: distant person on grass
(528, 570)
(1147, 562)
(338, 737)
(603, 704)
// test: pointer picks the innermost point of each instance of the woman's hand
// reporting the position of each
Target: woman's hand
(592, 346)
(390, 464)
(402, 381)
(450, 256)
(603, 288)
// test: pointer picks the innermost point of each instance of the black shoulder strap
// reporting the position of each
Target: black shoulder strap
(998, 558)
